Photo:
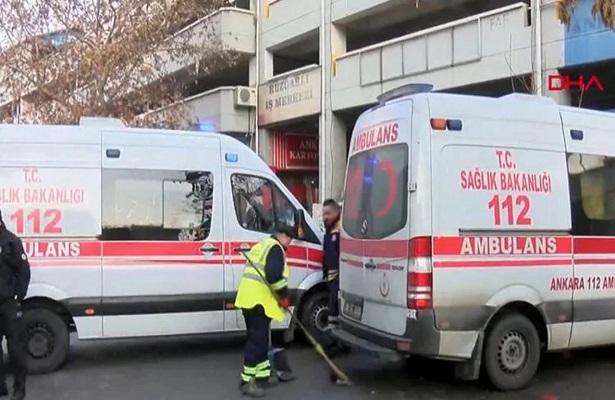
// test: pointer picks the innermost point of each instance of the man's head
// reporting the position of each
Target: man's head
(284, 234)
(330, 212)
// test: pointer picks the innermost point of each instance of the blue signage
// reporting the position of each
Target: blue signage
(587, 40)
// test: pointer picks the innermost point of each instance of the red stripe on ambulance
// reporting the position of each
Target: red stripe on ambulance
(89, 253)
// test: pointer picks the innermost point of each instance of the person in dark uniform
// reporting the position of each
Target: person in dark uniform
(262, 296)
(14, 282)
(331, 257)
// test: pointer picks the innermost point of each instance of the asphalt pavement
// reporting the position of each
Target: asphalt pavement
(206, 368)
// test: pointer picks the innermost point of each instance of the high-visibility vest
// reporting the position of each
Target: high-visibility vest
(253, 290)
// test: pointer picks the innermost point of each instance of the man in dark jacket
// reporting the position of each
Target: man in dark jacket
(331, 256)
(14, 282)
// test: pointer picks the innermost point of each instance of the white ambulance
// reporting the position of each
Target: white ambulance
(479, 230)
(135, 233)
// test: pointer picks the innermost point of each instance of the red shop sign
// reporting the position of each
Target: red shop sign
(297, 151)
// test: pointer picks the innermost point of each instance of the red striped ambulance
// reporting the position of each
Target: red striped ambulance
(479, 230)
(137, 233)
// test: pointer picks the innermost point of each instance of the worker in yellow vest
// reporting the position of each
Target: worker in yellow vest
(265, 273)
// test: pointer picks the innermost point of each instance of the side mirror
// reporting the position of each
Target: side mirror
(299, 218)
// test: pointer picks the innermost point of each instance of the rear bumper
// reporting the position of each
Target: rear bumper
(421, 338)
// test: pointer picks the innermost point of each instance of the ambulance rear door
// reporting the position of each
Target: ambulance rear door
(374, 253)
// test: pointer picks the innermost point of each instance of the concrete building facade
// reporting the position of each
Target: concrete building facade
(319, 64)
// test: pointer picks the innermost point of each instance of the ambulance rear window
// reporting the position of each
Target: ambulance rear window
(376, 195)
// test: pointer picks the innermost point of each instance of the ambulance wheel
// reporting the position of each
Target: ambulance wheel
(512, 352)
(47, 340)
(314, 314)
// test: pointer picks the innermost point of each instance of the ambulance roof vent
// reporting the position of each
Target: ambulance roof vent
(102, 122)
(405, 90)
(527, 98)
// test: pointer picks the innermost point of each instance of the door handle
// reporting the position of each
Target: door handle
(242, 248)
(209, 249)
(370, 265)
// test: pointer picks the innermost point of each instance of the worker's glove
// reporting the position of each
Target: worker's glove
(284, 303)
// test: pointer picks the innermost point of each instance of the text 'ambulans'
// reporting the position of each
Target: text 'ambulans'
(502, 245)
(375, 136)
(52, 249)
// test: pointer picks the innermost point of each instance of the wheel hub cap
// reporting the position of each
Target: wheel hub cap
(40, 342)
(512, 352)
(319, 318)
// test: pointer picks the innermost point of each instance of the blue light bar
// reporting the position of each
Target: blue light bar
(454, 124)
(231, 157)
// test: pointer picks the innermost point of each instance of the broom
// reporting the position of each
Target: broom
(341, 376)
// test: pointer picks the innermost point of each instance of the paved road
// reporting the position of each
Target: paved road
(195, 369)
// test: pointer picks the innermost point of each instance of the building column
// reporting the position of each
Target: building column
(264, 72)
(561, 97)
(332, 129)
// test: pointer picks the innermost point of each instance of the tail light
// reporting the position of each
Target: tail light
(420, 277)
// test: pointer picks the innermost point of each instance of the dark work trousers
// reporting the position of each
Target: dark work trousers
(334, 287)
(11, 327)
(256, 363)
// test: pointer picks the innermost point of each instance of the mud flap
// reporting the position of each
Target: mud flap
(470, 370)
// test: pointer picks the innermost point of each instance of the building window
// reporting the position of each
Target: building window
(592, 194)
(157, 205)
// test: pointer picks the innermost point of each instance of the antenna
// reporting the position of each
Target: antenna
(405, 90)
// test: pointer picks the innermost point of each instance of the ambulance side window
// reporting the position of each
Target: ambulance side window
(157, 205)
(253, 202)
(592, 194)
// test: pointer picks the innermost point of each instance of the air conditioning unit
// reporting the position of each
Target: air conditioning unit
(245, 96)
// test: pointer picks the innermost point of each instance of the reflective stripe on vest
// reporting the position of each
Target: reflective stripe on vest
(256, 269)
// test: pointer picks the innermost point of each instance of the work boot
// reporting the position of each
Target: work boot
(271, 382)
(285, 376)
(251, 389)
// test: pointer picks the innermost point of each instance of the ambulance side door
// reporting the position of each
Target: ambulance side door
(256, 202)
(163, 260)
(590, 147)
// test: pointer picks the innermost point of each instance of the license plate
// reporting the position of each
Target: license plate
(352, 310)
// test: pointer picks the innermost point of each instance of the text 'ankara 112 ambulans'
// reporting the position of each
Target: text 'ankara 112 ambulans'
(51, 202)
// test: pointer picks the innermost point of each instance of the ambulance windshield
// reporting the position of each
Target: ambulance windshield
(376, 195)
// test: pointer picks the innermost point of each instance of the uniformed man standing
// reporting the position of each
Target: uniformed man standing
(14, 282)
(259, 306)
(331, 257)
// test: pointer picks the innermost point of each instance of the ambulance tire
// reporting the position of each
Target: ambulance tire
(47, 340)
(314, 317)
(512, 352)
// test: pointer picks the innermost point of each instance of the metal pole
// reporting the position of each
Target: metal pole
(257, 16)
(538, 77)
(323, 120)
